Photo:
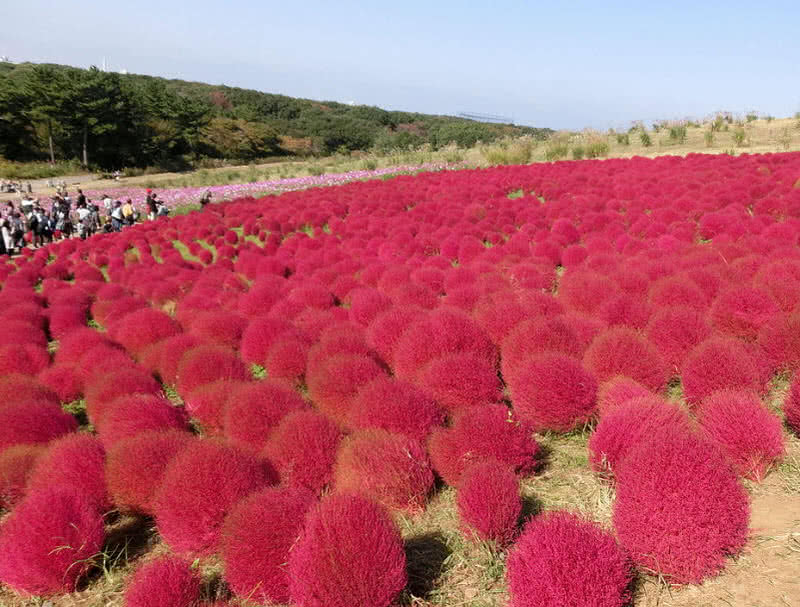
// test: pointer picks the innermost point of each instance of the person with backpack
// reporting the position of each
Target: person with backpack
(116, 216)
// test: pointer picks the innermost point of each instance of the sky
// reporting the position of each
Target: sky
(555, 64)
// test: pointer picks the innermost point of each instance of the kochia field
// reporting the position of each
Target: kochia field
(319, 398)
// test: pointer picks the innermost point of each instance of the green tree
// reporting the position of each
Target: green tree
(15, 127)
(44, 87)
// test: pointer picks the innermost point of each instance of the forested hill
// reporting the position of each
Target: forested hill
(113, 120)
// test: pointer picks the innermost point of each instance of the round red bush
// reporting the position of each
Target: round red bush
(396, 406)
(386, 329)
(461, 380)
(172, 350)
(553, 391)
(534, 336)
(76, 461)
(167, 580)
(626, 425)
(742, 311)
(481, 432)
(64, 381)
(33, 422)
(616, 391)
(105, 389)
(675, 330)
(391, 469)
(49, 542)
(198, 488)
(134, 467)
(20, 389)
(257, 539)
(623, 351)
(334, 384)
(206, 364)
(350, 553)
(287, 359)
(73, 346)
(561, 559)
(219, 327)
(739, 424)
(16, 465)
(206, 404)
(261, 334)
(143, 328)
(25, 359)
(489, 503)
(303, 449)
(779, 340)
(129, 415)
(254, 409)
(680, 510)
(720, 363)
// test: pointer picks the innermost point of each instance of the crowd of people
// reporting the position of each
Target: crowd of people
(35, 223)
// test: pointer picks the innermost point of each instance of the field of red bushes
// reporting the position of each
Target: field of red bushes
(278, 386)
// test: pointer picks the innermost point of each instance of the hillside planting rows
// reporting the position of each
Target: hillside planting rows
(545, 385)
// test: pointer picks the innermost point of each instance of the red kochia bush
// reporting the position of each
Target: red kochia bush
(76, 461)
(257, 538)
(129, 415)
(675, 330)
(261, 334)
(199, 486)
(387, 328)
(489, 503)
(720, 363)
(561, 559)
(334, 383)
(744, 430)
(534, 336)
(171, 351)
(303, 449)
(64, 381)
(206, 364)
(742, 311)
(392, 469)
(49, 542)
(167, 580)
(396, 406)
(616, 391)
(628, 424)
(461, 380)
(254, 409)
(350, 553)
(623, 351)
(16, 389)
(680, 510)
(142, 328)
(33, 422)
(134, 467)
(104, 390)
(25, 359)
(553, 391)
(480, 432)
(16, 465)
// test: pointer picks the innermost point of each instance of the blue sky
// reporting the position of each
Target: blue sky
(562, 65)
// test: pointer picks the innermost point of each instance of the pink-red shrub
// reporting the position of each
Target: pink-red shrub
(16, 465)
(33, 422)
(129, 415)
(303, 449)
(198, 488)
(76, 461)
(742, 311)
(222, 328)
(391, 469)
(553, 391)
(206, 404)
(257, 538)
(746, 432)
(206, 364)
(350, 553)
(675, 330)
(535, 336)
(25, 359)
(50, 542)
(134, 467)
(287, 359)
(721, 363)
(334, 383)
(396, 406)
(64, 381)
(616, 391)
(626, 425)
(387, 328)
(460, 380)
(20, 389)
(105, 389)
(169, 354)
(478, 433)
(680, 509)
(561, 559)
(489, 503)
(254, 409)
(143, 328)
(623, 351)
(167, 580)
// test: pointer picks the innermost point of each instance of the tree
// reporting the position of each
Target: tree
(15, 127)
(44, 89)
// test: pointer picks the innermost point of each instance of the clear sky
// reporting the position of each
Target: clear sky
(558, 64)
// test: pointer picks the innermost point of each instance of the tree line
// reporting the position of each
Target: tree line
(110, 120)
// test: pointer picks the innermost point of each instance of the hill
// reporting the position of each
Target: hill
(115, 120)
